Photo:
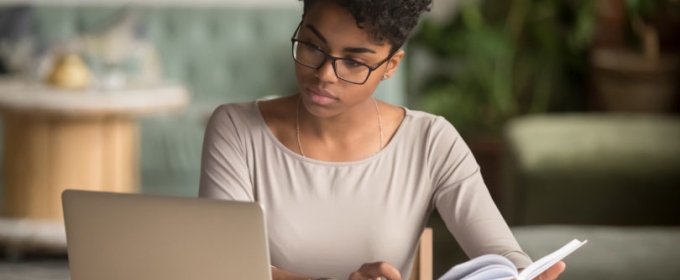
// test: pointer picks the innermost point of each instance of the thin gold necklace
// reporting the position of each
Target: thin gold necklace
(297, 126)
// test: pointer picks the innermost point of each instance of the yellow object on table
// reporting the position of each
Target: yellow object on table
(70, 73)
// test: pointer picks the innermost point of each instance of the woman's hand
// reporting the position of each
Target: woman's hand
(553, 272)
(374, 271)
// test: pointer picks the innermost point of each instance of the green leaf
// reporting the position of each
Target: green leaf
(471, 14)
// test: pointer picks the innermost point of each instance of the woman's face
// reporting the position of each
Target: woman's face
(332, 29)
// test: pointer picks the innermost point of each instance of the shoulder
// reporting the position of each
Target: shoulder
(431, 126)
(231, 119)
(439, 140)
(235, 110)
(446, 154)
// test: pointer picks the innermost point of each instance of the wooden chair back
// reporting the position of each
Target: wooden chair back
(422, 263)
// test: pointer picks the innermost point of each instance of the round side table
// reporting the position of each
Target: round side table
(56, 140)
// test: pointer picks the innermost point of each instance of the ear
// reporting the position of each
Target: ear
(393, 64)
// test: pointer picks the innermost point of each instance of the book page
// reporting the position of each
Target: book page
(479, 264)
(493, 272)
(532, 271)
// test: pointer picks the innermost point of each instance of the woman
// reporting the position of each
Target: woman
(348, 182)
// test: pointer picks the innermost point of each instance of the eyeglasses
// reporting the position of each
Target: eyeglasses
(348, 70)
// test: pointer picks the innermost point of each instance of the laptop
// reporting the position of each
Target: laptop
(113, 236)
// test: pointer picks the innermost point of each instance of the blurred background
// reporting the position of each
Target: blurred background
(571, 108)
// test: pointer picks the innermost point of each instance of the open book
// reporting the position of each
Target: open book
(496, 267)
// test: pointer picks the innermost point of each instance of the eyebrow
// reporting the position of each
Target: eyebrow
(348, 49)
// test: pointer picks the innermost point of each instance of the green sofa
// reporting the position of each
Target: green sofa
(611, 179)
(593, 169)
(223, 54)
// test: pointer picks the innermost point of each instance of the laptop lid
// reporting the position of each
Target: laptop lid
(114, 236)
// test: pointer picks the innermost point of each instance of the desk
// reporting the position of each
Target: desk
(56, 140)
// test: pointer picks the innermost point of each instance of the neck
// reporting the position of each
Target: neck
(360, 119)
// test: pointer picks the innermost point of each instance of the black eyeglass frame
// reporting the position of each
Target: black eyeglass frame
(334, 59)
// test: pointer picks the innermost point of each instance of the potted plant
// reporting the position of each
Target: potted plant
(500, 59)
(640, 75)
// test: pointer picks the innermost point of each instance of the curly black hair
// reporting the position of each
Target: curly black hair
(385, 20)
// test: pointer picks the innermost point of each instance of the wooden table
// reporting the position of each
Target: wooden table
(56, 140)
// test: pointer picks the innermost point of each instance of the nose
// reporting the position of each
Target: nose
(326, 73)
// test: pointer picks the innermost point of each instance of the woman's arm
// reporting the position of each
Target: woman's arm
(463, 200)
(224, 169)
(465, 204)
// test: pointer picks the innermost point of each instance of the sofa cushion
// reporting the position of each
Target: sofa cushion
(616, 253)
(593, 169)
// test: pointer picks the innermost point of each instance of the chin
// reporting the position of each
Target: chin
(316, 109)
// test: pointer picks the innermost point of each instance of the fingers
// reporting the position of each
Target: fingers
(375, 271)
(553, 272)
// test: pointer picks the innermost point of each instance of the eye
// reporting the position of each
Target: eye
(311, 47)
(317, 47)
(351, 63)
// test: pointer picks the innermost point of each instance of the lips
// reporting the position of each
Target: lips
(321, 97)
